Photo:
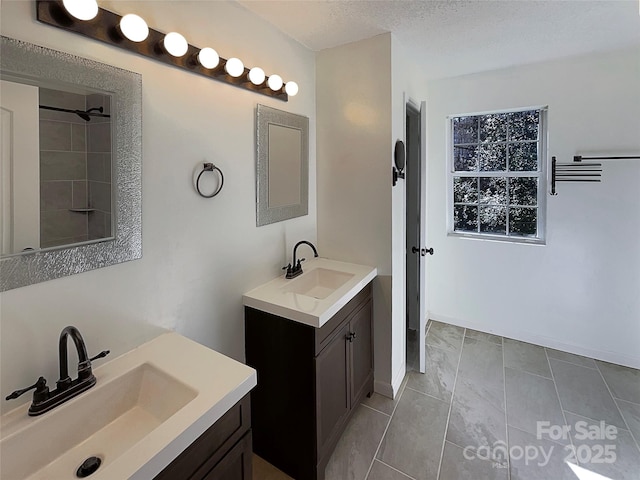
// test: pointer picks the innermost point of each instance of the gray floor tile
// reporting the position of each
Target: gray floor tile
(532, 458)
(475, 418)
(460, 464)
(485, 337)
(380, 471)
(631, 413)
(526, 357)
(583, 392)
(440, 375)
(624, 382)
(481, 368)
(413, 441)
(356, 448)
(385, 404)
(443, 335)
(531, 399)
(615, 458)
(571, 358)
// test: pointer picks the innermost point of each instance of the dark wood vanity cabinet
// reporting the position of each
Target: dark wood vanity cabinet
(223, 452)
(309, 382)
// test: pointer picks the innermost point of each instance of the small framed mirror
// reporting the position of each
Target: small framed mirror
(282, 180)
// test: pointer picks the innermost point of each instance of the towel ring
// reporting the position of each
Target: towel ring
(210, 167)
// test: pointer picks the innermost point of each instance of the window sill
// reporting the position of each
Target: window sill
(498, 238)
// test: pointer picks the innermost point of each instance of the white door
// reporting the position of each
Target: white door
(19, 168)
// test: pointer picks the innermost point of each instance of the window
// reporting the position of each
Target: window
(496, 175)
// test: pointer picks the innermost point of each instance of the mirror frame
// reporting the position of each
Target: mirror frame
(265, 214)
(19, 58)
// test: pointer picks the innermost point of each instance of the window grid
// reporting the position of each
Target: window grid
(507, 144)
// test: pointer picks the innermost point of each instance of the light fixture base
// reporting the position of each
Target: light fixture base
(104, 27)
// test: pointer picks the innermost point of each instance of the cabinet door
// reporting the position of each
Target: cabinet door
(236, 465)
(360, 334)
(332, 388)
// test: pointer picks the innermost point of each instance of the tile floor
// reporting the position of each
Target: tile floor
(478, 411)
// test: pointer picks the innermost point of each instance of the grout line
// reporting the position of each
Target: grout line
(529, 373)
(540, 439)
(375, 455)
(482, 339)
(393, 468)
(437, 347)
(453, 390)
(567, 361)
(617, 407)
(564, 417)
(375, 409)
(506, 423)
(636, 440)
(627, 401)
(595, 420)
(427, 395)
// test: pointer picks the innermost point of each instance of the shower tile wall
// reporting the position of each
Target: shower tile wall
(75, 170)
(99, 168)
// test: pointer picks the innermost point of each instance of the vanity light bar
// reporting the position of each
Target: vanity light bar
(105, 27)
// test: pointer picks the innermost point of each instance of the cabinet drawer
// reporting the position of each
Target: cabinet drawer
(213, 444)
(325, 333)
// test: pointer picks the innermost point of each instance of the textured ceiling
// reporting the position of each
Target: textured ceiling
(455, 37)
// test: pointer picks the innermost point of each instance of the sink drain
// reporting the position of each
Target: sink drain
(89, 466)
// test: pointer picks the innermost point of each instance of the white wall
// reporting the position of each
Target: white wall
(406, 84)
(361, 89)
(199, 255)
(579, 292)
(354, 172)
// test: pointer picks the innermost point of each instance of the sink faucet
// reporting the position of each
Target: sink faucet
(43, 399)
(296, 269)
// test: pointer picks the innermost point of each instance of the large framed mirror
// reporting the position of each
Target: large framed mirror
(282, 180)
(70, 165)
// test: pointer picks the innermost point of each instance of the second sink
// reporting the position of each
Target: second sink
(318, 283)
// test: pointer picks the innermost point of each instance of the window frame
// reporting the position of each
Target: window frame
(541, 174)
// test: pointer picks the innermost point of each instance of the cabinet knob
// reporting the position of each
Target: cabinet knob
(351, 336)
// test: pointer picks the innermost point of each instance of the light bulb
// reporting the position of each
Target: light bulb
(208, 58)
(234, 67)
(256, 75)
(134, 27)
(81, 9)
(291, 88)
(175, 44)
(275, 82)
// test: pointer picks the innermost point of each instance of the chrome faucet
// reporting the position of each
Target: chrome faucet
(296, 269)
(43, 399)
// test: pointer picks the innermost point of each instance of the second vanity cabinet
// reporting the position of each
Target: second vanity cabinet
(223, 452)
(309, 382)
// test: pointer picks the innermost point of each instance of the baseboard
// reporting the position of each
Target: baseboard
(383, 388)
(390, 390)
(544, 341)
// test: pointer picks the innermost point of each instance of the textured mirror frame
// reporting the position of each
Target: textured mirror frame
(20, 58)
(266, 214)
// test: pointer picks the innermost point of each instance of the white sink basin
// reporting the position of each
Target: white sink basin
(105, 424)
(146, 406)
(318, 283)
(315, 296)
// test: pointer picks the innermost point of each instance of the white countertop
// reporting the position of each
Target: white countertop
(272, 296)
(217, 383)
